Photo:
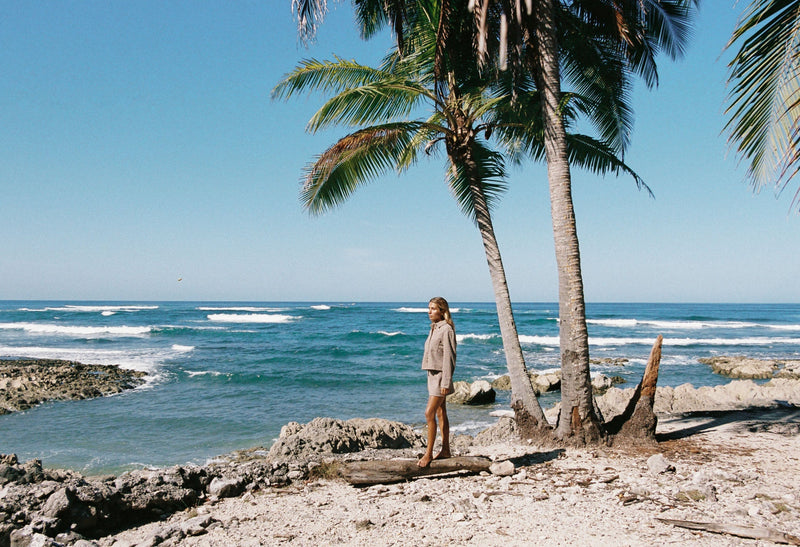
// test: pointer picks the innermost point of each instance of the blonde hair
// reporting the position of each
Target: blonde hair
(444, 307)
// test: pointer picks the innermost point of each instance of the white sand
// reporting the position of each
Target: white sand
(738, 468)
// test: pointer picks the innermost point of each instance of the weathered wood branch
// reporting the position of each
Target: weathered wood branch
(365, 473)
(750, 532)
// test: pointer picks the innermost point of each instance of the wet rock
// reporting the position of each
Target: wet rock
(601, 383)
(615, 361)
(28, 382)
(742, 367)
(476, 393)
(502, 383)
(790, 369)
(541, 383)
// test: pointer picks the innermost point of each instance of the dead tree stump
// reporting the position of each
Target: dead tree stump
(637, 423)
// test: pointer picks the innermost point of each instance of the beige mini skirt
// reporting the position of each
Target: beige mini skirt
(435, 384)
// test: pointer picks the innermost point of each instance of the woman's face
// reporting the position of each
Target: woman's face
(434, 313)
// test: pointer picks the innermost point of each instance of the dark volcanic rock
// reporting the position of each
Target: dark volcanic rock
(27, 382)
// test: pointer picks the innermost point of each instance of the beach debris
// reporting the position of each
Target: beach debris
(749, 532)
(370, 472)
(657, 464)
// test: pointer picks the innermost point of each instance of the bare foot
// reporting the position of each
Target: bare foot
(443, 455)
(424, 461)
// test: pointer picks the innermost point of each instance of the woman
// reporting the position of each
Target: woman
(439, 359)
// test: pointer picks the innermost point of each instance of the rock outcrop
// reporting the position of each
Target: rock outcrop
(45, 505)
(299, 442)
(735, 395)
(541, 383)
(27, 382)
(740, 367)
(479, 392)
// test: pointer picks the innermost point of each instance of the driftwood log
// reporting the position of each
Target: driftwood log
(371, 472)
(750, 532)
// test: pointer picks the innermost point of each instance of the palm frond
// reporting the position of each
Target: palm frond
(325, 76)
(595, 68)
(599, 158)
(764, 100)
(483, 171)
(353, 160)
(429, 133)
(372, 103)
(309, 14)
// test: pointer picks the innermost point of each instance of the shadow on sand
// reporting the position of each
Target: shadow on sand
(782, 419)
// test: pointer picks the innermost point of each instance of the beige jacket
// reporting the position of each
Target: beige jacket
(440, 351)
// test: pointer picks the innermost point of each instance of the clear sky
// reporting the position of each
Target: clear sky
(141, 158)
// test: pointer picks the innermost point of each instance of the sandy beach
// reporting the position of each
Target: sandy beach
(738, 470)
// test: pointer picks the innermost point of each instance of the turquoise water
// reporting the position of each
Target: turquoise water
(225, 376)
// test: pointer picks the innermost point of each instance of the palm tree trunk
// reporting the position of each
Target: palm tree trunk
(529, 416)
(577, 418)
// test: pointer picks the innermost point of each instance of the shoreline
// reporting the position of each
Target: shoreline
(737, 467)
(734, 459)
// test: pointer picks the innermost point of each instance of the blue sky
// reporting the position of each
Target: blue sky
(140, 146)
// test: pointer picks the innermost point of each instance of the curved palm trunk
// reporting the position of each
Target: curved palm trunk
(530, 418)
(577, 418)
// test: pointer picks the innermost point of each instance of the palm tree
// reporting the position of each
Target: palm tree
(464, 105)
(533, 38)
(538, 37)
(764, 110)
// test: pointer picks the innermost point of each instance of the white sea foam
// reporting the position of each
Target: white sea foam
(148, 361)
(75, 330)
(182, 349)
(255, 309)
(321, 307)
(194, 373)
(538, 340)
(624, 323)
(250, 318)
(471, 336)
(784, 327)
(405, 309)
(470, 427)
(108, 313)
(628, 341)
(94, 309)
(687, 324)
(383, 332)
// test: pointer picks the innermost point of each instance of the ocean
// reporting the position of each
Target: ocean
(227, 376)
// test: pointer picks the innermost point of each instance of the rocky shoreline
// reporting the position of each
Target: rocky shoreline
(717, 456)
(25, 383)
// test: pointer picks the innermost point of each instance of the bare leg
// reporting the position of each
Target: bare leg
(444, 425)
(434, 403)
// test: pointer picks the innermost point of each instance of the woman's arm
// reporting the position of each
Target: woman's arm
(448, 356)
